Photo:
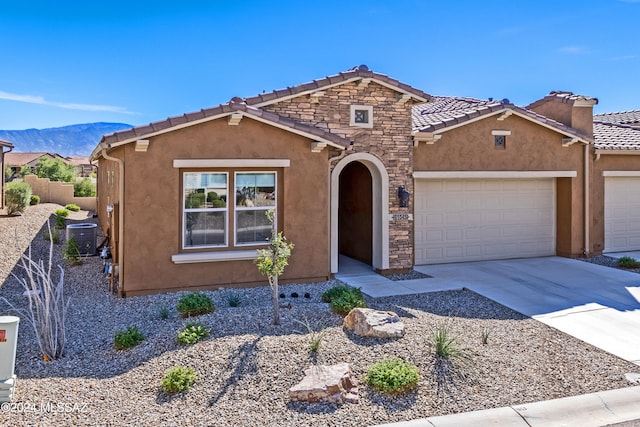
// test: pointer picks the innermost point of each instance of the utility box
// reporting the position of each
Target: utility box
(85, 236)
(8, 345)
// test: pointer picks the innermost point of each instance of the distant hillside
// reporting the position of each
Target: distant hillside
(74, 140)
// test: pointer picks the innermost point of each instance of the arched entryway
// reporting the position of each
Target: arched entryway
(363, 173)
(355, 213)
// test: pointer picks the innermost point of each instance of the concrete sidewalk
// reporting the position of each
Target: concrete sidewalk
(588, 410)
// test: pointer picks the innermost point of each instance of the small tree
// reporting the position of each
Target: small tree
(55, 170)
(272, 261)
(84, 188)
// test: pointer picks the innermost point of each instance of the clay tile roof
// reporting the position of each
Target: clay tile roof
(631, 118)
(14, 158)
(443, 111)
(611, 136)
(361, 71)
(563, 96)
(6, 143)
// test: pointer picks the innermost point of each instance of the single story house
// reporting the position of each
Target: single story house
(18, 161)
(357, 164)
(9, 146)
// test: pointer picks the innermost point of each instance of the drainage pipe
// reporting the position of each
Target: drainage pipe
(120, 217)
(587, 219)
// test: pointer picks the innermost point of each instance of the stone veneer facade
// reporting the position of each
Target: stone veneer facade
(389, 139)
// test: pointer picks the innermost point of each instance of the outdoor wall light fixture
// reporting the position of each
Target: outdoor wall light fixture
(109, 209)
(403, 197)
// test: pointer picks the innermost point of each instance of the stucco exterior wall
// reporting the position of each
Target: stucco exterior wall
(389, 140)
(530, 147)
(153, 206)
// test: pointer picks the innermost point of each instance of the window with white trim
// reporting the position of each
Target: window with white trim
(255, 195)
(361, 116)
(205, 209)
(227, 208)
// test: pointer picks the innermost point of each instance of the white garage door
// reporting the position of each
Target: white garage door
(621, 214)
(480, 219)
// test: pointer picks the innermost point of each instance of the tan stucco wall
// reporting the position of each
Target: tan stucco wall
(606, 162)
(530, 147)
(58, 192)
(153, 201)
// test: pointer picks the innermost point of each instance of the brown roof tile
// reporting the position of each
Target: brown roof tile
(562, 96)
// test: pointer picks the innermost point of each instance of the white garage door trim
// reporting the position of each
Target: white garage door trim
(493, 174)
(621, 211)
(462, 219)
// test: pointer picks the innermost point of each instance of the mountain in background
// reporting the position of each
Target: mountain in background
(74, 140)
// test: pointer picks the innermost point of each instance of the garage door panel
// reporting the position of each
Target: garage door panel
(621, 214)
(484, 219)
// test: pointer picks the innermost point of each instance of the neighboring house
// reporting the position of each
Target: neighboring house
(18, 161)
(4, 145)
(83, 166)
(183, 199)
(628, 118)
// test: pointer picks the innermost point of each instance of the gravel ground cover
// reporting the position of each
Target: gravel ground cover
(246, 366)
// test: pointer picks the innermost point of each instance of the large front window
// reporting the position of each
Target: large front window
(223, 206)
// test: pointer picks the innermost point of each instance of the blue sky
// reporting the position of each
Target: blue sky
(67, 62)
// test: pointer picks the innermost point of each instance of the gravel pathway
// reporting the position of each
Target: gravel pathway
(247, 365)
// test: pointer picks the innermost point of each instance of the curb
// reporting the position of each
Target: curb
(593, 409)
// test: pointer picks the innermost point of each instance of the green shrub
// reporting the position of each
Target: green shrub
(17, 197)
(84, 188)
(393, 376)
(211, 196)
(71, 252)
(178, 379)
(35, 199)
(628, 262)
(315, 337)
(72, 207)
(192, 333)
(60, 222)
(128, 338)
(55, 170)
(342, 299)
(52, 235)
(62, 212)
(195, 304)
(219, 203)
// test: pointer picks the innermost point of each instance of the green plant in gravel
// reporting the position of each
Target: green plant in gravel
(17, 197)
(163, 312)
(315, 337)
(35, 199)
(233, 299)
(128, 338)
(628, 262)
(393, 376)
(342, 299)
(62, 212)
(71, 252)
(192, 333)
(485, 336)
(51, 235)
(178, 379)
(447, 346)
(72, 207)
(195, 304)
(60, 222)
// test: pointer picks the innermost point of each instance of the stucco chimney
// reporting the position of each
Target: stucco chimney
(565, 107)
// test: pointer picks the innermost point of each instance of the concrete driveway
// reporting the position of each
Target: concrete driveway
(599, 305)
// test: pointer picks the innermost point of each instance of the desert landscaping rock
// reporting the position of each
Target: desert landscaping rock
(332, 384)
(368, 322)
(246, 367)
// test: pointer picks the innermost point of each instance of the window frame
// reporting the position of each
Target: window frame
(352, 116)
(186, 210)
(231, 244)
(237, 208)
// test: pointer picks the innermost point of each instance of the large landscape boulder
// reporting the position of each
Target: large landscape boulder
(334, 384)
(367, 322)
